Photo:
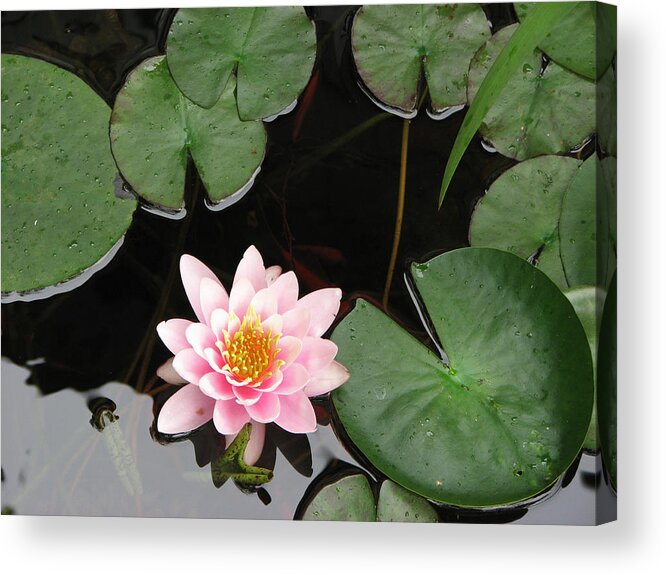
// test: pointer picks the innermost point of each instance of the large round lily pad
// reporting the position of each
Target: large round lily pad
(504, 416)
(271, 50)
(60, 213)
(351, 498)
(549, 112)
(585, 39)
(393, 44)
(153, 127)
(520, 213)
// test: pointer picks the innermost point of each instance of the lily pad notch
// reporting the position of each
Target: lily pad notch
(396, 46)
(505, 418)
(155, 128)
(270, 51)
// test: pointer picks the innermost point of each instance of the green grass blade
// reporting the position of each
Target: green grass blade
(524, 40)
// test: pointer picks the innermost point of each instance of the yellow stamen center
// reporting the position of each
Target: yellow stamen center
(251, 352)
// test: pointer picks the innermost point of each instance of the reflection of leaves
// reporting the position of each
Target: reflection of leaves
(230, 465)
(60, 214)
(294, 446)
(505, 417)
(119, 450)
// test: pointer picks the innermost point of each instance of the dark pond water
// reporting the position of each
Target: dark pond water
(323, 204)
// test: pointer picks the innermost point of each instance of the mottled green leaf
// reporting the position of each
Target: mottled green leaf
(351, 498)
(347, 499)
(392, 44)
(549, 112)
(520, 213)
(271, 51)
(580, 248)
(60, 212)
(584, 41)
(395, 503)
(504, 416)
(153, 127)
(588, 303)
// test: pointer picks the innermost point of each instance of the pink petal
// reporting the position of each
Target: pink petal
(296, 322)
(266, 409)
(289, 347)
(168, 373)
(273, 324)
(271, 383)
(214, 358)
(285, 289)
(246, 395)
(172, 333)
(213, 296)
(327, 379)
(295, 378)
(255, 444)
(190, 365)
(229, 417)
(317, 353)
(219, 321)
(240, 297)
(192, 272)
(251, 268)
(296, 413)
(185, 410)
(200, 336)
(215, 385)
(264, 303)
(323, 305)
(233, 324)
(272, 273)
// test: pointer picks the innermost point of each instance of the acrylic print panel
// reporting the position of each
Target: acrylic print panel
(313, 263)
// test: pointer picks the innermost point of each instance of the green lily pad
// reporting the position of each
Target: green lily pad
(578, 226)
(348, 499)
(607, 112)
(351, 498)
(588, 302)
(504, 416)
(153, 127)
(584, 41)
(393, 43)
(60, 213)
(271, 51)
(520, 213)
(607, 370)
(536, 113)
(395, 503)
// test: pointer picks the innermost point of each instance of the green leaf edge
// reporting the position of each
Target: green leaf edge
(524, 40)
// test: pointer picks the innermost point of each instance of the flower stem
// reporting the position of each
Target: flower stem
(400, 211)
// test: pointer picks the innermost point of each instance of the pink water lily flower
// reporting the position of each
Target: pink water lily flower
(255, 354)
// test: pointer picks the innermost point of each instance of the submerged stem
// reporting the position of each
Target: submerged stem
(400, 211)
